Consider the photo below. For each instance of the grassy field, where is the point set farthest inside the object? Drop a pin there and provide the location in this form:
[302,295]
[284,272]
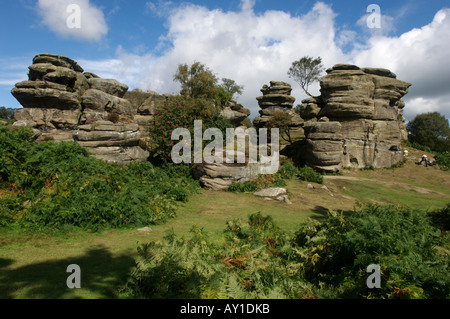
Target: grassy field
[34,265]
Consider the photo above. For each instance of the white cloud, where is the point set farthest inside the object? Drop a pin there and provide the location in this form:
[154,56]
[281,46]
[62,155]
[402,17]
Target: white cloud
[249,48]
[254,49]
[420,57]
[55,16]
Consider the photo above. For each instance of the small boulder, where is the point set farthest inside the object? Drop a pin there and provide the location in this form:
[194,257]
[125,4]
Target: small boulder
[271,192]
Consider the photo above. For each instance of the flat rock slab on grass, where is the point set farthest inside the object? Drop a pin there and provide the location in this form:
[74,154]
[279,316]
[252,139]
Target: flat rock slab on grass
[145,229]
[270,192]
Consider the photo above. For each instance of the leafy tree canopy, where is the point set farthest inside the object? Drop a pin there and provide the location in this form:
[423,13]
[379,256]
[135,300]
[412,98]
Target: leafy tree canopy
[430,129]
[197,81]
[232,87]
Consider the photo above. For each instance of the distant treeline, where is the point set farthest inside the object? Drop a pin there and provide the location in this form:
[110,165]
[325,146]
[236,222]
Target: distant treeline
[7,113]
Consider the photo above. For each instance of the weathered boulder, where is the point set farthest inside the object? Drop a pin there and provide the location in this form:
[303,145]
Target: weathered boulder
[98,104]
[360,122]
[235,113]
[271,192]
[57,60]
[41,97]
[109,86]
[220,176]
[113,142]
[61,100]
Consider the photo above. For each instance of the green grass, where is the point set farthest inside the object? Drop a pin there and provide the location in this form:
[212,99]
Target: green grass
[33,265]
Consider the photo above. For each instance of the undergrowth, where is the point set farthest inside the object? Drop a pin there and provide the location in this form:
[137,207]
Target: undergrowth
[323,259]
[286,172]
[59,185]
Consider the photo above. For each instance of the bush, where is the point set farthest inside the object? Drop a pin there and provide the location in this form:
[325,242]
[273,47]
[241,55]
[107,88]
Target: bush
[441,218]
[323,259]
[308,174]
[248,264]
[172,114]
[14,147]
[400,240]
[443,160]
[249,186]
[288,171]
[60,184]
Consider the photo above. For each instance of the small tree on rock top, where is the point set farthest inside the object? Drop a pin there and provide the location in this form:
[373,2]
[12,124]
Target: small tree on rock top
[306,71]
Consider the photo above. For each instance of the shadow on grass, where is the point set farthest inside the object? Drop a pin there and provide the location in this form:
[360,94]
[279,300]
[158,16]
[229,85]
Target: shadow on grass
[102,274]
[321,212]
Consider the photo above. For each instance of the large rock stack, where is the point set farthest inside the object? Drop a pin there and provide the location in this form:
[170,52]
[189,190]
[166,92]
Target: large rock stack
[360,121]
[277,98]
[63,103]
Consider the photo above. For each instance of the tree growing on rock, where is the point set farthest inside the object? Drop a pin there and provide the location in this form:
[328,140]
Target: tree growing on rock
[306,71]
[228,89]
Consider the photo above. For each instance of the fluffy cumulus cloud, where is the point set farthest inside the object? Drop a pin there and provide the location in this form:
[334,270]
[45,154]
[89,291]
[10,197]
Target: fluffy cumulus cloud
[73,18]
[250,48]
[255,48]
[420,57]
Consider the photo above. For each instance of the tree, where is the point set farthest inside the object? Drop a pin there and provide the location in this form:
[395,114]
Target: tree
[306,71]
[197,81]
[282,121]
[7,113]
[430,129]
[168,116]
[199,90]
[232,87]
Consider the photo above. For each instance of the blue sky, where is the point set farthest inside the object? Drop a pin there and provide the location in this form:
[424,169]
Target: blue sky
[140,43]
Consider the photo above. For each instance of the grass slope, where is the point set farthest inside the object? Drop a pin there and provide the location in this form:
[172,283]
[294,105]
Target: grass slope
[34,265]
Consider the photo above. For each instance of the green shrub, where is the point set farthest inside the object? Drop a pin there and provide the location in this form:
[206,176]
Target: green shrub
[60,185]
[14,147]
[443,160]
[417,146]
[288,171]
[249,186]
[172,114]
[249,263]
[323,259]
[308,174]
[400,240]
[441,218]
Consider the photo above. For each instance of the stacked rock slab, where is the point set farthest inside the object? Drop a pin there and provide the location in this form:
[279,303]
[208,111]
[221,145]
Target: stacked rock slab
[360,122]
[112,142]
[235,113]
[277,98]
[59,97]
[51,95]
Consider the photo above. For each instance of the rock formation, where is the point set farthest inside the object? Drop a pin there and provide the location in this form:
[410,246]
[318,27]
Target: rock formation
[357,121]
[235,113]
[65,103]
[277,98]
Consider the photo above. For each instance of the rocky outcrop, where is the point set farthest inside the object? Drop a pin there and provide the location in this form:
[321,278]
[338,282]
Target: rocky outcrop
[63,102]
[360,121]
[235,113]
[112,142]
[277,98]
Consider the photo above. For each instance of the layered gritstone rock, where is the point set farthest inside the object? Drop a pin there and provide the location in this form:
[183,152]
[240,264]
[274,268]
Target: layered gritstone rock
[360,122]
[59,98]
[277,98]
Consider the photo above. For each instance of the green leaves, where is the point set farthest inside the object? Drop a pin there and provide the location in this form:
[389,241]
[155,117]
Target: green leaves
[431,130]
[323,259]
[306,71]
[60,185]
